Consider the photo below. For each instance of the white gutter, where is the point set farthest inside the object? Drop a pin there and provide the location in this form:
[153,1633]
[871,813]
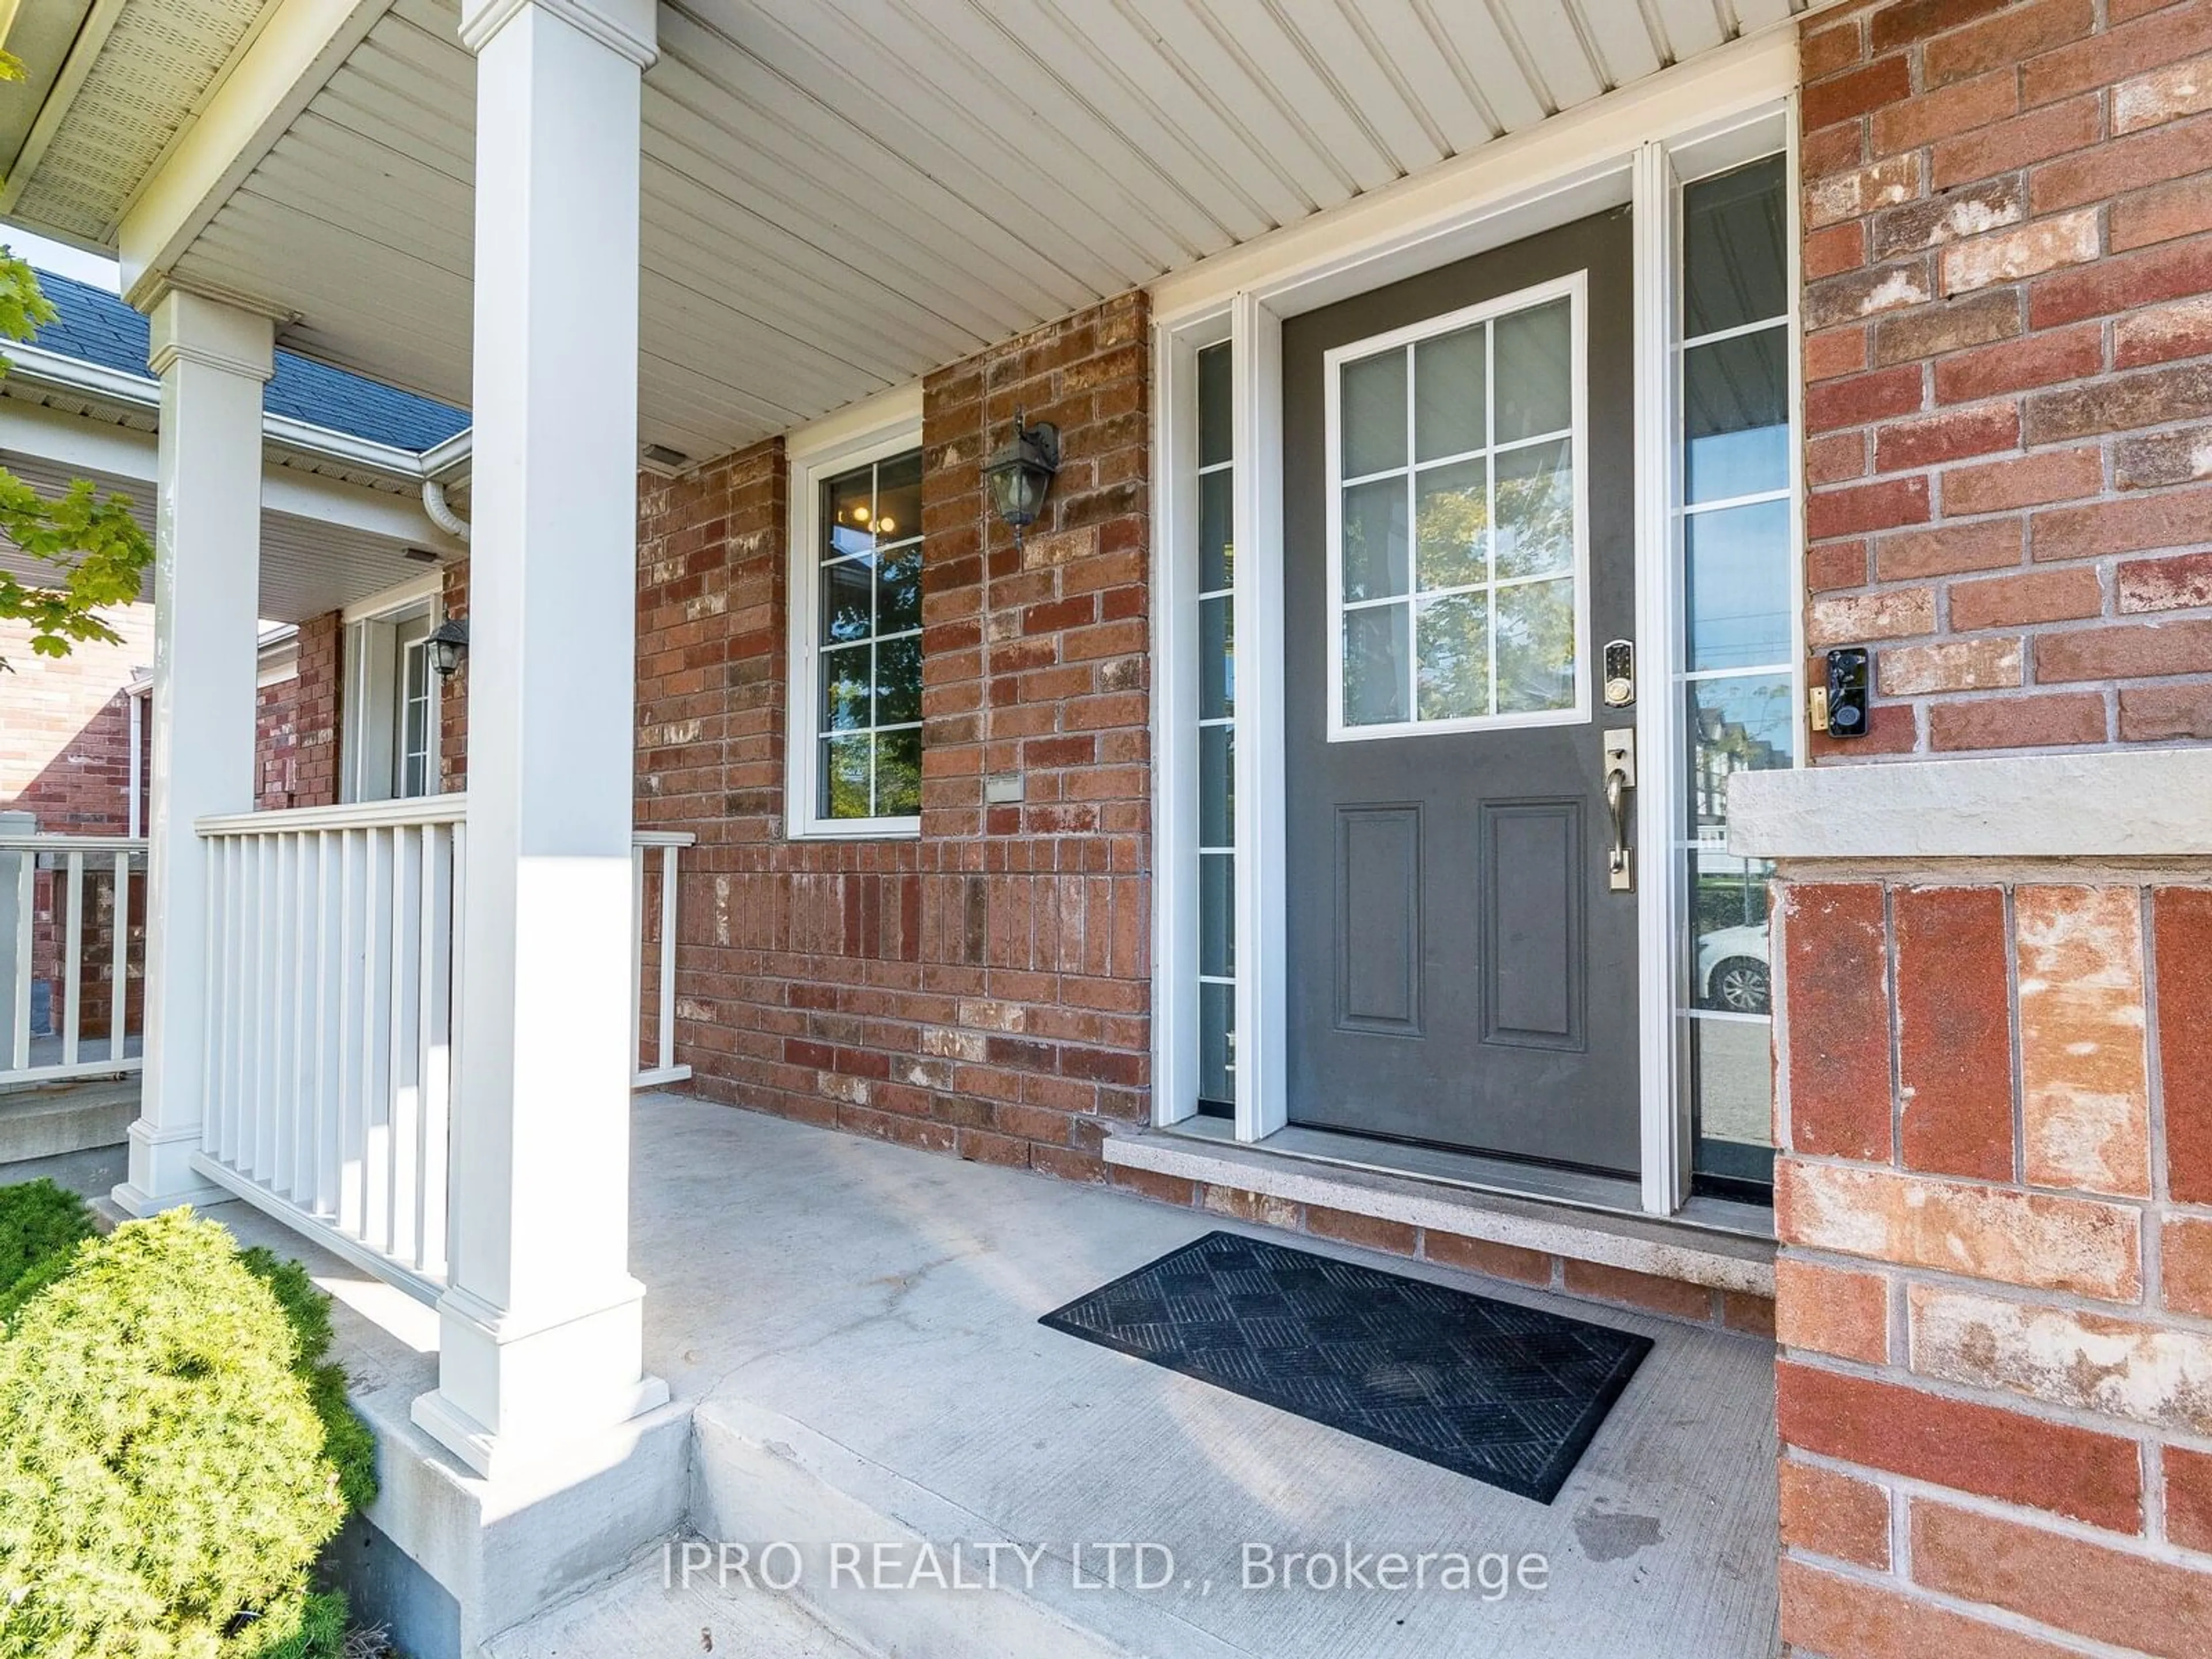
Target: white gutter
[433,503]
[40,366]
[448,462]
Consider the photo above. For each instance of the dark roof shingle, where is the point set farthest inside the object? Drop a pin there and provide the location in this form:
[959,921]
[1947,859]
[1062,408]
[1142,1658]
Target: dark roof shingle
[96,327]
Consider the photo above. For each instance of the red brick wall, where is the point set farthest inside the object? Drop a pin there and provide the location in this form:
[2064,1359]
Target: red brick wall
[453,695]
[981,989]
[65,732]
[1995,1295]
[297,724]
[2008,313]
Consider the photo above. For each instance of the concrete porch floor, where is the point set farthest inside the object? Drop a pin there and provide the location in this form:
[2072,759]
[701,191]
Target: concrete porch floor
[854,1324]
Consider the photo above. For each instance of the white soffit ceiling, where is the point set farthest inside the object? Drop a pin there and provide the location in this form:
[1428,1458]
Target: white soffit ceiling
[159,62]
[840,195]
[308,565]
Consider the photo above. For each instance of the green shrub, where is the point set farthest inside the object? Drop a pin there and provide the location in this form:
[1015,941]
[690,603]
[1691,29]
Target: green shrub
[174,1452]
[346,1439]
[40,1226]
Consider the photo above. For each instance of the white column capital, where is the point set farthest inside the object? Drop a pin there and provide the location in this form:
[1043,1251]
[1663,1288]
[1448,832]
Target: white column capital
[192,328]
[628,26]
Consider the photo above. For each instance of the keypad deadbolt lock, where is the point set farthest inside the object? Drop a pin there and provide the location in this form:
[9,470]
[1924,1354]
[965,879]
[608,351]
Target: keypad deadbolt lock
[1619,673]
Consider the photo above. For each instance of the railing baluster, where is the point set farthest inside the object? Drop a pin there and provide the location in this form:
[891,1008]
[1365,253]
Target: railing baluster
[238,1075]
[432,1051]
[253,1101]
[72,986]
[322,1180]
[353,934]
[637,954]
[220,1066]
[668,870]
[406,1071]
[456,958]
[376,1047]
[118,1007]
[299,1174]
[19,1047]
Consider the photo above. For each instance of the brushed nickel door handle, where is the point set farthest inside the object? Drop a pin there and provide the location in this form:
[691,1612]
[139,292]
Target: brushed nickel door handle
[1620,779]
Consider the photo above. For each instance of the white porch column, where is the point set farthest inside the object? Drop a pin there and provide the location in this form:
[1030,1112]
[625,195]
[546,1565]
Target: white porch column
[212,358]
[540,1338]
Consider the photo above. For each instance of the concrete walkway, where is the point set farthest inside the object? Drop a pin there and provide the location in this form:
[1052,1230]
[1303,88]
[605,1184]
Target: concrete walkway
[857,1323]
[855,1327]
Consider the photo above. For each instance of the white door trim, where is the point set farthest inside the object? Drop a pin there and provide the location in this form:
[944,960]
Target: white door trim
[1616,150]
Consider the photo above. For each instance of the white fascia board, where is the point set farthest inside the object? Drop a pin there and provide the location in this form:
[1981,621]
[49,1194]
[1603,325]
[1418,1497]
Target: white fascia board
[298,49]
[74,442]
[127,453]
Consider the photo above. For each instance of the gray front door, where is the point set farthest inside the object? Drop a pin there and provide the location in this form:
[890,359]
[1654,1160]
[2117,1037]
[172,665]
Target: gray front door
[1458,549]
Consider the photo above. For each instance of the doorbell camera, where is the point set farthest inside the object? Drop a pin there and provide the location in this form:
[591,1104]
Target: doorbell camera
[1847,691]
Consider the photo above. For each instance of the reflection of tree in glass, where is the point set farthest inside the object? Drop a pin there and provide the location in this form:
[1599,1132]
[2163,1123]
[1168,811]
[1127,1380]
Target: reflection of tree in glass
[848,779]
[1452,529]
[1743,726]
[898,774]
[1535,510]
[1535,646]
[1375,666]
[1453,657]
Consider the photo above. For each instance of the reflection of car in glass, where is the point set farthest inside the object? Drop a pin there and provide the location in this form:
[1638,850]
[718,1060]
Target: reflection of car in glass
[1732,969]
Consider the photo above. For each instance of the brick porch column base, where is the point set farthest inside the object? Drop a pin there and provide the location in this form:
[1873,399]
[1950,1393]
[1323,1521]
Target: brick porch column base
[1994,1296]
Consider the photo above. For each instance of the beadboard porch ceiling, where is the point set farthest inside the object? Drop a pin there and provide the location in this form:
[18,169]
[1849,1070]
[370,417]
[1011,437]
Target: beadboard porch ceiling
[840,195]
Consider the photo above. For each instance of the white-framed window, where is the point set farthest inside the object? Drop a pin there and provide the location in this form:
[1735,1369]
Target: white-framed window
[388,732]
[855,590]
[1458,556]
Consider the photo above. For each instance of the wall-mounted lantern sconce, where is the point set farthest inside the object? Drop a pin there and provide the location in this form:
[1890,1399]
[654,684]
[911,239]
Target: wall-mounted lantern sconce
[1020,474]
[449,643]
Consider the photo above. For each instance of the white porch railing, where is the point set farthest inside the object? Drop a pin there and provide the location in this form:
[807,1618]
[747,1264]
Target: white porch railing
[660,942]
[333,954]
[50,917]
[335,965]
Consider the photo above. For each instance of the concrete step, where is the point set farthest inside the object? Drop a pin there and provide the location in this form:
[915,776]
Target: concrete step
[66,1117]
[900,1569]
[650,1612]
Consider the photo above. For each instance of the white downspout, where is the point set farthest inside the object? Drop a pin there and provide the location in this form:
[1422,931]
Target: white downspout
[433,503]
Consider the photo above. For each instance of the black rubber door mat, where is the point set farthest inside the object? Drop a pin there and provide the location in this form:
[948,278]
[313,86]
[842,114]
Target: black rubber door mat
[1507,1395]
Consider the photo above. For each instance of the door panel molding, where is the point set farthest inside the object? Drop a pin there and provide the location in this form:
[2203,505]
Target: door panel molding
[1378,919]
[1535,991]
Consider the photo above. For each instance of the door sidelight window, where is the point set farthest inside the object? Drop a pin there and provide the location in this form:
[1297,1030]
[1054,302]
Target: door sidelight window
[1739,642]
